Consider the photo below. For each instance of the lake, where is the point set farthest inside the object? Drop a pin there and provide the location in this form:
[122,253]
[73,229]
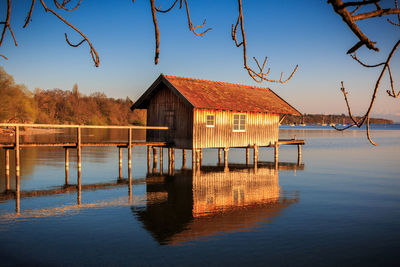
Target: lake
[340,206]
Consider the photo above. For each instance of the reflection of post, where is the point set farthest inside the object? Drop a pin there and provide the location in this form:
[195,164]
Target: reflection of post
[226,149]
[17,168]
[78,152]
[183,159]
[148,159]
[219,156]
[161,160]
[129,153]
[7,158]
[247,155]
[299,154]
[66,166]
[120,162]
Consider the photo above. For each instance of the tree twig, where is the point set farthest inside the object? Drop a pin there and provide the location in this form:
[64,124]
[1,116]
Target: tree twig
[258,76]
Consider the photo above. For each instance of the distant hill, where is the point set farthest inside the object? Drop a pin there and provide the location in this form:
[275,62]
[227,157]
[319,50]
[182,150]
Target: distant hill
[328,119]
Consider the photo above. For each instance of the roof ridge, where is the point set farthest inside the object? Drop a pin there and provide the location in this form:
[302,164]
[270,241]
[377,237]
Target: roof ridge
[203,80]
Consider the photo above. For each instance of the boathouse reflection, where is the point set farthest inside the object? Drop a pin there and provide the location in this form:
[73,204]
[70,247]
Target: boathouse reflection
[211,201]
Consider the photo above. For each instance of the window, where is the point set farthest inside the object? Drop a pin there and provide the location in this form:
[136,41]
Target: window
[239,122]
[210,121]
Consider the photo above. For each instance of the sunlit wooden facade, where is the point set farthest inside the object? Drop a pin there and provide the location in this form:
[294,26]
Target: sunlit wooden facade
[208,114]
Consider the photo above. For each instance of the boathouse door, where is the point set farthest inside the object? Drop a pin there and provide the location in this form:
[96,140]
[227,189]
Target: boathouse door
[170,123]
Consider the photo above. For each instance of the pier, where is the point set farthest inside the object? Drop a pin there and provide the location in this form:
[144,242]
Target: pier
[154,152]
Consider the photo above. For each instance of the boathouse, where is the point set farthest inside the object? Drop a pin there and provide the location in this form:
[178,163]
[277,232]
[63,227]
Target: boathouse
[209,114]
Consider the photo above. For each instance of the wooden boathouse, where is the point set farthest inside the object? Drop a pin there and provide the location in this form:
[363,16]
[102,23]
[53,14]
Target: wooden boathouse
[208,114]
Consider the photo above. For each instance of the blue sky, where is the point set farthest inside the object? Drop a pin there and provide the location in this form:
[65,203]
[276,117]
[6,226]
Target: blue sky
[307,33]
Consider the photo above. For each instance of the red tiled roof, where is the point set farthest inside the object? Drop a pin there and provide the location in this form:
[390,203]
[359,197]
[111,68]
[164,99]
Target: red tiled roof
[227,96]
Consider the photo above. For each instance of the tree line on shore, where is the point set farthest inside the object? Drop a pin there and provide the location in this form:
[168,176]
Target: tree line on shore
[328,119]
[57,106]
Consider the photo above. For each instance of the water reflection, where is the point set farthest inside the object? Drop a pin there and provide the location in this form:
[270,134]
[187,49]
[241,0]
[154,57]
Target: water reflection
[212,200]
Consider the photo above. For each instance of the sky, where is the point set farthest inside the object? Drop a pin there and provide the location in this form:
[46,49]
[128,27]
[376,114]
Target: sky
[289,33]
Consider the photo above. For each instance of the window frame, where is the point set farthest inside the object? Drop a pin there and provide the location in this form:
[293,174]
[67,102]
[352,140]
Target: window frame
[213,120]
[239,122]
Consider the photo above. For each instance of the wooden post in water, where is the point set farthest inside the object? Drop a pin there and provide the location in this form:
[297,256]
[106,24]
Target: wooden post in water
[219,156]
[129,154]
[183,159]
[298,154]
[247,155]
[169,161]
[193,159]
[226,149]
[17,169]
[255,155]
[173,161]
[66,166]
[79,159]
[120,162]
[7,170]
[161,160]
[201,156]
[276,152]
[155,159]
[148,159]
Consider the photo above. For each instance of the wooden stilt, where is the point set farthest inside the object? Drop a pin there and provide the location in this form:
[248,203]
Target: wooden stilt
[298,154]
[149,159]
[247,155]
[226,149]
[169,161]
[155,159]
[194,159]
[183,159]
[129,153]
[172,161]
[219,156]
[255,155]
[7,170]
[161,160]
[276,152]
[66,166]
[17,170]
[78,153]
[120,163]
[201,156]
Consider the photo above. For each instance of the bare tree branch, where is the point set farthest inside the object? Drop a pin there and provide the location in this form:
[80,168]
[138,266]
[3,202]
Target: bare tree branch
[63,5]
[192,28]
[365,118]
[28,17]
[6,24]
[93,52]
[156,31]
[348,19]
[258,76]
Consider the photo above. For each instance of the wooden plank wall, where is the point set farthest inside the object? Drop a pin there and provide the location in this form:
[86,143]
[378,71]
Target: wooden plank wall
[261,129]
[164,104]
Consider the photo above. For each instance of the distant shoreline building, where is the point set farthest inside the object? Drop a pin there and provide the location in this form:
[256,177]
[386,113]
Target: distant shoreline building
[209,114]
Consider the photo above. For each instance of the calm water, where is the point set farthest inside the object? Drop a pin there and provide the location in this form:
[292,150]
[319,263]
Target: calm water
[340,206]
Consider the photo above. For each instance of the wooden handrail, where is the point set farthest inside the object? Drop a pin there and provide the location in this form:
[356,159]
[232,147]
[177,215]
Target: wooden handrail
[33,125]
